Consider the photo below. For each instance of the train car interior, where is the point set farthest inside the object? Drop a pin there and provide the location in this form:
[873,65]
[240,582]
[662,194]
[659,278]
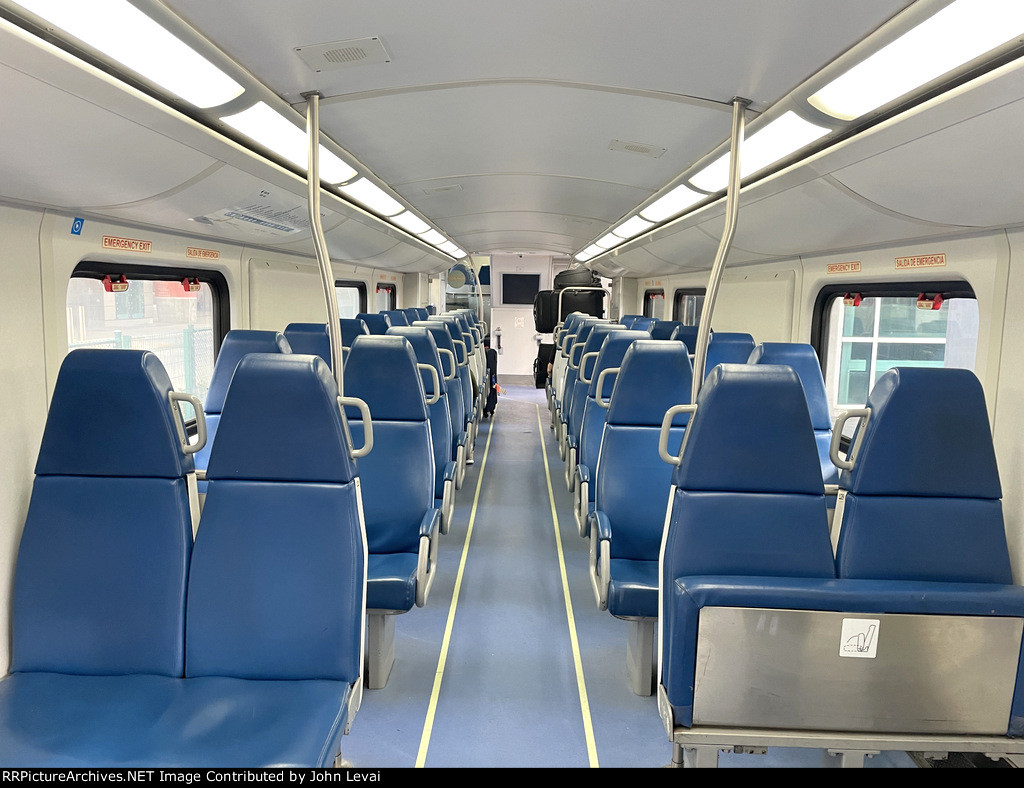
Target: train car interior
[543,384]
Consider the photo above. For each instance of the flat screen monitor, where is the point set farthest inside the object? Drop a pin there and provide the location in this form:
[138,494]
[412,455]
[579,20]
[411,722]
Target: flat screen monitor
[519,288]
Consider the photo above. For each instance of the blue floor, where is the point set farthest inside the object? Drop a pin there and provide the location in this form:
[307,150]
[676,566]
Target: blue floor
[494,680]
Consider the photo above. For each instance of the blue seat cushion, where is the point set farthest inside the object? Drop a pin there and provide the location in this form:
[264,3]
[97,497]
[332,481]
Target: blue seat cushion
[633,588]
[51,720]
[391,581]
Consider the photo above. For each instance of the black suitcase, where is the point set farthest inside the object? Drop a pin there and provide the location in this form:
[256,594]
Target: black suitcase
[590,302]
[576,277]
[544,307]
[545,355]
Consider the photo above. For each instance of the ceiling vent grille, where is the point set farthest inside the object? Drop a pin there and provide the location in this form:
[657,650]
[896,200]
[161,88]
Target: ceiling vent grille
[640,148]
[343,54]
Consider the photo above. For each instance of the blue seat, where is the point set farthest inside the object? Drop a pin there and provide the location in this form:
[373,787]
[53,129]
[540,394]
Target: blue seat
[421,312]
[397,317]
[727,347]
[311,339]
[632,489]
[237,344]
[732,513]
[614,347]
[397,480]
[275,599]
[576,342]
[921,570]
[628,320]
[563,337]
[576,400]
[352,327]
[465,376]
[436,387]
[804,361]
[377,323]
[665,329]
[688,336]
[100,578]
[643,324]
[446,349]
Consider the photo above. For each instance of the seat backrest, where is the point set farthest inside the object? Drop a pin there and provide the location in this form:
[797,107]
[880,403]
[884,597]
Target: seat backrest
[575,401]
[632,479]
[804,361]
[423,345]
[237,344]
[748,497]
[397,317]
[688,336]
[462,353]
[375,323]
[628,320]
[277,578]
[397,477]
[923,501]
[614,347]
[727,347]
[456,405]
[421,312]
[664,329]
[352,327]
[99,585]
[311,339]
[643,324]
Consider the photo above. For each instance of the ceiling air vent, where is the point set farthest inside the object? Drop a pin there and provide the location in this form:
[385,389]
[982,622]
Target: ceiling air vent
[640,148]
[343,54]
[455,187]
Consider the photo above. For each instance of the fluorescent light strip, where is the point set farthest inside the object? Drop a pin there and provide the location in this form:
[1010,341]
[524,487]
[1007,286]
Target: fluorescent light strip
[583,256]
[593,250]
[124,33]
[632,227]
[959,33]
[784,135]
[275,132]
[674,202]
[433,237]
[373,197]
[411,222]
[608,241]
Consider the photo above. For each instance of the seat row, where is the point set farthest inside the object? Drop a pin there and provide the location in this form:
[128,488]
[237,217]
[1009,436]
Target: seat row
[132,646]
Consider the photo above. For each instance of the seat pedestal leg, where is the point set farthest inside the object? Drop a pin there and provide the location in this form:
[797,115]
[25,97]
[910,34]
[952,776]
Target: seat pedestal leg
[380,649]
[640,655]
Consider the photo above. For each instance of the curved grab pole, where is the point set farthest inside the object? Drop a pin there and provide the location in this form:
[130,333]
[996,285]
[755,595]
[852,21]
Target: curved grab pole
[732,199]
[323,257]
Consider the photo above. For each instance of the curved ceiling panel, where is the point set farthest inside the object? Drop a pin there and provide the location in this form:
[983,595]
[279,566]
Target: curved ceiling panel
[940,186]
[104,160]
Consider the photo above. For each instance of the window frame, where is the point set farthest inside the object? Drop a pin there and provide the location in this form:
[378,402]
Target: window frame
[680,293]
[649,296]
[392,289]
[358,285]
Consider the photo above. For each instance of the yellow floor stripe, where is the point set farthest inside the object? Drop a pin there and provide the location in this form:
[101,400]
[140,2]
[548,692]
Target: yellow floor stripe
[588,725]
[428,724]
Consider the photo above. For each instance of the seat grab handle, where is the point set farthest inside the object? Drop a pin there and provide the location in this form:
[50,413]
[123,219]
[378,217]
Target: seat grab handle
[174,398]
[666,427]
[364,411]
[435,394]
[837,436]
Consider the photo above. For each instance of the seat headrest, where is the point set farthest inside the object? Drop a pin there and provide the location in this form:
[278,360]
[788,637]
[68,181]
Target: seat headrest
[281,422]
[311,339]
[614,347]
[352,327]
[728,347]
[594,342]
[643,324]
[375,323]
[751,434]
[655,375]
[629,320]
[425,348]
[382,371]
[688,336]
[455,332]
[928,435]
[421,312]
[110,415]
[663,329]
[804,361]
[237,343]
[397,317]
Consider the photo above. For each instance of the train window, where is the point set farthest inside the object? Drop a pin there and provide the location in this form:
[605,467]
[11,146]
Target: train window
[865,332]
[386,298]
[180,315]
[351,297]
[654,304]
[687,306]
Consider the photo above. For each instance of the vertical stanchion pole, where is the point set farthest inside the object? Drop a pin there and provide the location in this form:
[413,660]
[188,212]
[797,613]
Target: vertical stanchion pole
[732,199]
[323,257]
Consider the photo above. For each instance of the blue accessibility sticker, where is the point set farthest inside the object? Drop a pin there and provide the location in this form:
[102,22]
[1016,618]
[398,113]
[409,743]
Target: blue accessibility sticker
[76,226]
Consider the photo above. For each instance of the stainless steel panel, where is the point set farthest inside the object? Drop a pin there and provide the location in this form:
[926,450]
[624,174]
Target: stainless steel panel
[913,673]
